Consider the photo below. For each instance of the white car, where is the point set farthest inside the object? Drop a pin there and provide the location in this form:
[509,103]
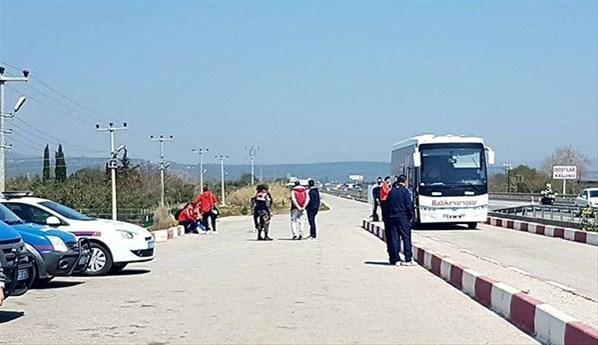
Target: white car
[114,243]
[587,198]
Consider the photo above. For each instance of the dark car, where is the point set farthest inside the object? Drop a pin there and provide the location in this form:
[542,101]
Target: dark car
[54,252]
[16,262]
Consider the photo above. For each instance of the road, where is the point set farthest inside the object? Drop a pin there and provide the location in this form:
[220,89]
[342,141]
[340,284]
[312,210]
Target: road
[229,288]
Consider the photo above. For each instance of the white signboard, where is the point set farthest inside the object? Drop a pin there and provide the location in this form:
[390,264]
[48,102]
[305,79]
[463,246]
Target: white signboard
[564,172]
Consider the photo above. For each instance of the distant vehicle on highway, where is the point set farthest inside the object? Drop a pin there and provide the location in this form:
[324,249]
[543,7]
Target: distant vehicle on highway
[114,244]
[448,176]
[587,198]
[53,252]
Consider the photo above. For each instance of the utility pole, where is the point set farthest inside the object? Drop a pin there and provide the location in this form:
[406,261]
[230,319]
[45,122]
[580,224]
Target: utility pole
[3,146]
[252,153]
[113,163]
[163,165]
[222,158]
[508,167]
[200,152]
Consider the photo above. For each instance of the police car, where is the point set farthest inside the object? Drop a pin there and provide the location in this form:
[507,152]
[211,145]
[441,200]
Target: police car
[114,244]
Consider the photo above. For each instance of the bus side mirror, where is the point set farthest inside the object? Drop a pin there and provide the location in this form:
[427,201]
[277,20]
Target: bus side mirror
[490,155]
[417,161]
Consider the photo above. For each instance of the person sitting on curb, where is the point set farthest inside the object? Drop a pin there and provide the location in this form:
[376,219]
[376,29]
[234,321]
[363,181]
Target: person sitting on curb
[187,218]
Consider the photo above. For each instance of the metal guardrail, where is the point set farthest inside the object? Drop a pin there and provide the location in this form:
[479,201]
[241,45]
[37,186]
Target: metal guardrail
[532,197]
[348,194]
[555,214]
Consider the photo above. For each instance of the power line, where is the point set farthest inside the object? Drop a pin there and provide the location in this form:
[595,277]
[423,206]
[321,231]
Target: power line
[56,140]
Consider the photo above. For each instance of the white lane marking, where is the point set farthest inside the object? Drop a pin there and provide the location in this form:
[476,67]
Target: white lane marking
[515,269]
[561,286]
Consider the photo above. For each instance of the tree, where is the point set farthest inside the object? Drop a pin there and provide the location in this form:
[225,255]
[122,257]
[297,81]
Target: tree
[60,168]
[567,155]
[46,169]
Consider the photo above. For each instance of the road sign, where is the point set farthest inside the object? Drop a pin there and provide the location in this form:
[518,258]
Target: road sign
[564,172]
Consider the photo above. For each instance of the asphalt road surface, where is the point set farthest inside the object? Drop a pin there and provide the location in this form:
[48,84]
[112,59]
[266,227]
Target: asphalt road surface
[229,288]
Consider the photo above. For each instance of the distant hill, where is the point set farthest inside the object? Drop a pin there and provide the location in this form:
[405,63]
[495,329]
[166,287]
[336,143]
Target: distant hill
[18,165]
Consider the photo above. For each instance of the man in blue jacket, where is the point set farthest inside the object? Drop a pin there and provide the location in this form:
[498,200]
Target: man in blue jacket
[313,206]
[400,214]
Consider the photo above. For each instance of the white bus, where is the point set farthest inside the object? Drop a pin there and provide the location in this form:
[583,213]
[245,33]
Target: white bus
[448,176]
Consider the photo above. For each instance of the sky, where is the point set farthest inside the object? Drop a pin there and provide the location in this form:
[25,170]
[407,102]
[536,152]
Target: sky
[307,81]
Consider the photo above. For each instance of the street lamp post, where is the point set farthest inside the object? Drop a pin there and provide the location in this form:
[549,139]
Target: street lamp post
[163,165]
[3,146]
[113,164]
[252,153]
[222,158]
[200,152]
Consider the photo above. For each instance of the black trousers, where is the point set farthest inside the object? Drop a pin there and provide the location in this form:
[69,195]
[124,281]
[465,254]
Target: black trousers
[391,231]
[209,216]
[311,219]
[189,225]
[405,236]
[375,211]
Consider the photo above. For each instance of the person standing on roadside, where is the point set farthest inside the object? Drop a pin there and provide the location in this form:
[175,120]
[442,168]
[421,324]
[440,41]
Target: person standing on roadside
[262,213]
[384,190]
[207,203]
[400,214]
[376,197]
[299,200]
[313,206]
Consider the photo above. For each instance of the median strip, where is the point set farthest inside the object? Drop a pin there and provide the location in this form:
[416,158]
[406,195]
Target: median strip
[168,234]
[569,234]
[541,320]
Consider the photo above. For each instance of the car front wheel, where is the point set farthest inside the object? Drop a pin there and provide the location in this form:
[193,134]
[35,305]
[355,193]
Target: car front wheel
[100,262]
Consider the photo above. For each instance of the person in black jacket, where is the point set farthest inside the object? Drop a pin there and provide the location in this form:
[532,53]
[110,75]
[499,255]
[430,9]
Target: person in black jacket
[376,197]
[400,214]
[313,206]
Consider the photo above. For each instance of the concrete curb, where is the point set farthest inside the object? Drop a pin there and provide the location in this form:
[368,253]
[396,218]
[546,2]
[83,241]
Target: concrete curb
[541,320]
[569,234]
[168,234]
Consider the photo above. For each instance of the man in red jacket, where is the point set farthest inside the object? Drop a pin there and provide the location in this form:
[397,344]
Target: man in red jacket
[207,202]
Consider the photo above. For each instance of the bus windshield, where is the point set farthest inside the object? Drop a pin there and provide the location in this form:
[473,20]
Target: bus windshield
[453,164]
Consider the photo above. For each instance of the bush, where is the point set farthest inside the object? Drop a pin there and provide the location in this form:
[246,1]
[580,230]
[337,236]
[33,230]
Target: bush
[163,219]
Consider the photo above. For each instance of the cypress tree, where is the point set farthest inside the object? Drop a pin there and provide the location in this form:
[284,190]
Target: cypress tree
[60,168]
[46,169]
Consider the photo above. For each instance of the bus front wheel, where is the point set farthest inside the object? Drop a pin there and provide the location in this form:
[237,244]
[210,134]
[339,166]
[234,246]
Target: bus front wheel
[472,226]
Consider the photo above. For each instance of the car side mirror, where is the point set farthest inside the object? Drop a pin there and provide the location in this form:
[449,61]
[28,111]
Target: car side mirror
[53,221]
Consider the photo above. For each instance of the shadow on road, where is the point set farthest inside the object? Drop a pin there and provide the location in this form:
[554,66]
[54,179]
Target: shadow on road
[58,285]
[377,263]
[7,316]
[132,272]
[440,227]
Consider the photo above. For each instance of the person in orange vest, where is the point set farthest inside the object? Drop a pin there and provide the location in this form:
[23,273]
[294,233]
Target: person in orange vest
[207,204]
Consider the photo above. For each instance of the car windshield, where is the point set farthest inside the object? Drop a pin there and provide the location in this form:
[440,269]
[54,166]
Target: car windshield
[594,194]
[453,165]
[64,211]
[8,216]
